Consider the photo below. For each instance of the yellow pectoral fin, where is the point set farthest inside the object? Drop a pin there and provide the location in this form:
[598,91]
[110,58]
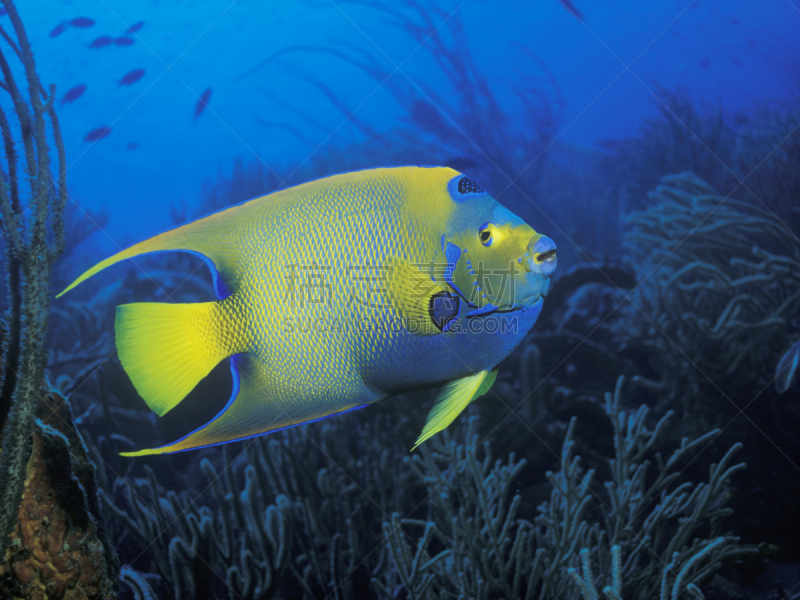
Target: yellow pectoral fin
[453,399]
[252,410]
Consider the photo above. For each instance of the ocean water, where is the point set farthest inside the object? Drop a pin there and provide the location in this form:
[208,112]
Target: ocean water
[657,144]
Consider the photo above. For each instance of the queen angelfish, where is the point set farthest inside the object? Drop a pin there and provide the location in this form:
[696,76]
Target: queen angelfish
[335,294]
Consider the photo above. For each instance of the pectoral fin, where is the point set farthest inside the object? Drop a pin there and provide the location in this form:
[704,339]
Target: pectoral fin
[453,399]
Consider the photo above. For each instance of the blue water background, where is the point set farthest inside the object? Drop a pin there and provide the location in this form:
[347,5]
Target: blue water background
[608,66]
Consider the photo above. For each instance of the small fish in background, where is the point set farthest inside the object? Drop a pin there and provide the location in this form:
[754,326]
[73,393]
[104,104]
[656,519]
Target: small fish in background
[101,42]
[202,102]
[135,27]
[571,8]
[3,12]
[124,40]
[705,63]
[58,30]
[787,368]
[733,21]
[97,134]
[81,22]
[131,77]
[736,61]
[131,145]
[73,94]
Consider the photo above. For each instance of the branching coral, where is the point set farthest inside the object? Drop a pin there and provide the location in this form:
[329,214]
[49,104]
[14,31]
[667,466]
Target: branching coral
[300,513]
[51,538]
[721,277]
[474,545]
[32,244]
[296,513]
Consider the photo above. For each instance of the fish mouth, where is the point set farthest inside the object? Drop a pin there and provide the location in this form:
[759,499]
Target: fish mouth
[541,258]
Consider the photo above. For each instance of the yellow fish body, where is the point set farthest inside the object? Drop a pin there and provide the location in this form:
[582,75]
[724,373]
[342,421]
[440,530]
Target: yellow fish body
[337,293]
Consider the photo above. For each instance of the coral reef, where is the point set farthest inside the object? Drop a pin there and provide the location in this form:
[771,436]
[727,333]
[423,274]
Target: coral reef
[721,277]
[485,550]
[299,510]
[308,513]
[58,547]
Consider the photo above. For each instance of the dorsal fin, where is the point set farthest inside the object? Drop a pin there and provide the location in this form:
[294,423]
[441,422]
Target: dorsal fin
[213,238]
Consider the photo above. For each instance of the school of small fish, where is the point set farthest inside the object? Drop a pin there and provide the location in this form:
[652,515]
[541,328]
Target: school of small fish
[131,77]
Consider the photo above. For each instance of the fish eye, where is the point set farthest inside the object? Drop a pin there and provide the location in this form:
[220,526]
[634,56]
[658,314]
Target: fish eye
[485,235]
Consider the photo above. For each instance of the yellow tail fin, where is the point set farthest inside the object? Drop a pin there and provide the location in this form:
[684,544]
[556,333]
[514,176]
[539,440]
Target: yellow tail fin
[166,349]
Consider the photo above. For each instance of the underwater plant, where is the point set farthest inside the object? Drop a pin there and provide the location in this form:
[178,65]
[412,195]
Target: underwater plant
[456,117]
[721,277]
[683,136]
[293,514]
[51,535]
[475,546]
[301,514]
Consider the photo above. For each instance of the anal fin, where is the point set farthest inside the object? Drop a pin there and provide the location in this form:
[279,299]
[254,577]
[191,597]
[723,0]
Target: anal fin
[253,409]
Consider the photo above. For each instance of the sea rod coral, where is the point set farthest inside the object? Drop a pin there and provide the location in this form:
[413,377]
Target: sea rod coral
[50,529]
[284,519]
[722,276]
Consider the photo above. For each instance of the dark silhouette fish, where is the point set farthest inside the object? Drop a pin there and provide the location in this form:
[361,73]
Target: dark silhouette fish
[124,41]
[101,42]
[97,134]
[705,63]
[571,8]
[202,102]
[736,61]
[135,27]
[73,94]
[82,22]
[3,12]
[131,77]
[734,21]
[131,145]
[58,30]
